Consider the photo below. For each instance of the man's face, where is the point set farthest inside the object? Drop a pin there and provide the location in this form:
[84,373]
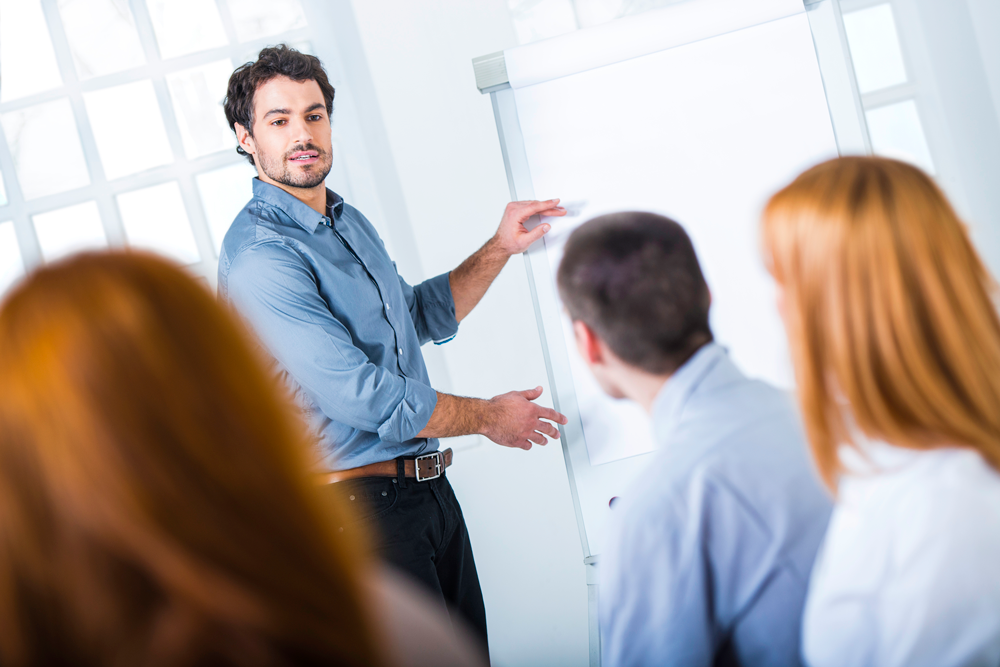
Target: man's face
[291,133]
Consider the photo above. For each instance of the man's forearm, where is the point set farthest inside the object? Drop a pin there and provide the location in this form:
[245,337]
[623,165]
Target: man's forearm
[474,276]
[456,415]
[510,419]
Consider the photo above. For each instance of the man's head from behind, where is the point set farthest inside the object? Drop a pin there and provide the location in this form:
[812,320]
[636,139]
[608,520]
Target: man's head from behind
[637,297]
[279,106]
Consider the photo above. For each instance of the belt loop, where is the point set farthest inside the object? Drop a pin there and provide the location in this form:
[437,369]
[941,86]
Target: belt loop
[401,472]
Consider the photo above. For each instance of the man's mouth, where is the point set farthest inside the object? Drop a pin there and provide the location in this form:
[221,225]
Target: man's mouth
[304,157]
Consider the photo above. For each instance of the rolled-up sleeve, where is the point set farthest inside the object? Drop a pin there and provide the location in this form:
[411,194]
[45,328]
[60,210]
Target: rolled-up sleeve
[432,308]
[273,288]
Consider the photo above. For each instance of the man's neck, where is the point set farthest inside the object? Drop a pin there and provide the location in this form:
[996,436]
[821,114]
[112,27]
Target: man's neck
[645,387]
[642,387]
[314,198]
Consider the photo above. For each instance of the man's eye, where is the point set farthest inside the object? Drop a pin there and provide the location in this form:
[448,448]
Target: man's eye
[315,116]
[280,121]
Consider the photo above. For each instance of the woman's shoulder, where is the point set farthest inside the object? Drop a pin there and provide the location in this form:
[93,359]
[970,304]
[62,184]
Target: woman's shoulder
[923,496]
[415,629]
[908,471]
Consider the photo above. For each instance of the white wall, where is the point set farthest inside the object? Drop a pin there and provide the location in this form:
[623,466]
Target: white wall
[445,153]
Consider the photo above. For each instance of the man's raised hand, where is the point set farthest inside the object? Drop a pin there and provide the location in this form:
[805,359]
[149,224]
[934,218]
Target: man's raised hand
[512,236]
[515,421]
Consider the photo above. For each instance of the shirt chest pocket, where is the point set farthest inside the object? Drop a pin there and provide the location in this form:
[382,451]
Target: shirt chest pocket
[352,296]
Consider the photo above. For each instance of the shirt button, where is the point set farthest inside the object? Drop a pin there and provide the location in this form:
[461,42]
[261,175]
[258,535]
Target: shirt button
[401,350]
[387,307]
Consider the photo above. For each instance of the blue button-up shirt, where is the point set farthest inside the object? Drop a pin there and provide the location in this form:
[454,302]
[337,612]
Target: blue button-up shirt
[709,555]
[325,299]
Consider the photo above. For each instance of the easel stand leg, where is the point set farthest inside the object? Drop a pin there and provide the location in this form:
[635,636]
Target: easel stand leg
[592,616]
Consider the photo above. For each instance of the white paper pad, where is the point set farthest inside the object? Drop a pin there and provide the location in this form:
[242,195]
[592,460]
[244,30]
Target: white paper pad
[703,132]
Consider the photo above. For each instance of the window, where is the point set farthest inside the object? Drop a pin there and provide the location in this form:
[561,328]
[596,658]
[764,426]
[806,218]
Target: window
[111,124]
[888,93]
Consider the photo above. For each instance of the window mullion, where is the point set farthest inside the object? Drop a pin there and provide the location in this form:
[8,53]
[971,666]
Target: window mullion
[99,188]
[227,22]
[885,96]
[27,240]
[182,168]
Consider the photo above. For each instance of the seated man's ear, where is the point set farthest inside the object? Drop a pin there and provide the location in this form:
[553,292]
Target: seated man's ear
[245,140]
[588,343]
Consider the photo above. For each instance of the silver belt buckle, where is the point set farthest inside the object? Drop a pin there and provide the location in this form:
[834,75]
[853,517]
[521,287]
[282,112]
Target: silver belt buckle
[438,466]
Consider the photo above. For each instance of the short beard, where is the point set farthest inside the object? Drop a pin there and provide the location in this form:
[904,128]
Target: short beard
[277,168]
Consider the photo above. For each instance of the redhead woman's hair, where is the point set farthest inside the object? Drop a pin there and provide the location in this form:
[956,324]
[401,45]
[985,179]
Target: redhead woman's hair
[888,308]
[156,506]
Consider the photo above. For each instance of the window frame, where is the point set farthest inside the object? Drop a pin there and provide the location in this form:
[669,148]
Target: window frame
[910,90]
[182,169]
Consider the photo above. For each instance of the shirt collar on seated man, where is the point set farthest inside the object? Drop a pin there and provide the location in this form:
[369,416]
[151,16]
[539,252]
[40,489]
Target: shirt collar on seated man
[302,214]
[670,401]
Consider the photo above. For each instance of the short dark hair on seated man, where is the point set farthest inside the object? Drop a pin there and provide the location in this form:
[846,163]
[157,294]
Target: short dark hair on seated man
[634,279]
[271,62]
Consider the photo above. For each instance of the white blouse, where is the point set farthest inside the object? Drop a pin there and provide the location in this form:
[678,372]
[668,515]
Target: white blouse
[909,572]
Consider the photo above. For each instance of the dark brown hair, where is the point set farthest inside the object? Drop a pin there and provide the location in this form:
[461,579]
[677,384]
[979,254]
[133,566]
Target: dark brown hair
[635,280]
[156,506]
[271,62]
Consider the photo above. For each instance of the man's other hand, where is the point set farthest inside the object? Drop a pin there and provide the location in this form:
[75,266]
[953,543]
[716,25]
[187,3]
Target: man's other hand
[514,421]
[512,236]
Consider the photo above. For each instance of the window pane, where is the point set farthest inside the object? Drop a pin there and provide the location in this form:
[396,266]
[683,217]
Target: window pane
[68,230]
[27,61]
[878,59]
[101,36]
[11,265]
[128,128]
[155,219]
[224,193]
[45,145]
[186,26]
[262,18]
[896,132]
[197,94]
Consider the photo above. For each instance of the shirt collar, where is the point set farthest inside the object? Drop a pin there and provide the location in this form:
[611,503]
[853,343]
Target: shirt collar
[671,398]
[302,215]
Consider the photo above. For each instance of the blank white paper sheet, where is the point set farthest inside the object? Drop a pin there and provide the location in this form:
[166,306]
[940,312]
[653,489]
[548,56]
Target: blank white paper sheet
[701,126]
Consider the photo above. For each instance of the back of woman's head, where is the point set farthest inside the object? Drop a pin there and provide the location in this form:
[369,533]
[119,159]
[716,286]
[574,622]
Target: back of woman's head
[888,307]
[155,500]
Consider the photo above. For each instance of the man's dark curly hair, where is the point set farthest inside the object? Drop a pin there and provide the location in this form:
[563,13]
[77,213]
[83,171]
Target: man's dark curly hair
[271,62]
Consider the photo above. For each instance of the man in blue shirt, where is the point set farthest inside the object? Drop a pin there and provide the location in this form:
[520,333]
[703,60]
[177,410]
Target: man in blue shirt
[313,278]
[709,555]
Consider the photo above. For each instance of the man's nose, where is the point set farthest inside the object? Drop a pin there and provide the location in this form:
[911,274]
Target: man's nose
[302,133]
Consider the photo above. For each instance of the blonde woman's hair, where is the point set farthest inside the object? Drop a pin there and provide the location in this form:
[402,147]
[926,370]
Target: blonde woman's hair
[888,307]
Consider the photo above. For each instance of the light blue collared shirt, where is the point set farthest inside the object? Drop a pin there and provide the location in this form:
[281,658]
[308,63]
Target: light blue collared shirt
[709,556]
[326,301]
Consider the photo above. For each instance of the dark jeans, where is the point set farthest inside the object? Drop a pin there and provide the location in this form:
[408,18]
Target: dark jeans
[419,529]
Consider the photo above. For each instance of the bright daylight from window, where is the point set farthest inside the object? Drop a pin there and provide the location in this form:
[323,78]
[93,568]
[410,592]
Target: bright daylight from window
[102,71]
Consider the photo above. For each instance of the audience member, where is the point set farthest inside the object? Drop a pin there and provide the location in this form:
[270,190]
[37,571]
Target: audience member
[156,507]
[709,558]
[895,336]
